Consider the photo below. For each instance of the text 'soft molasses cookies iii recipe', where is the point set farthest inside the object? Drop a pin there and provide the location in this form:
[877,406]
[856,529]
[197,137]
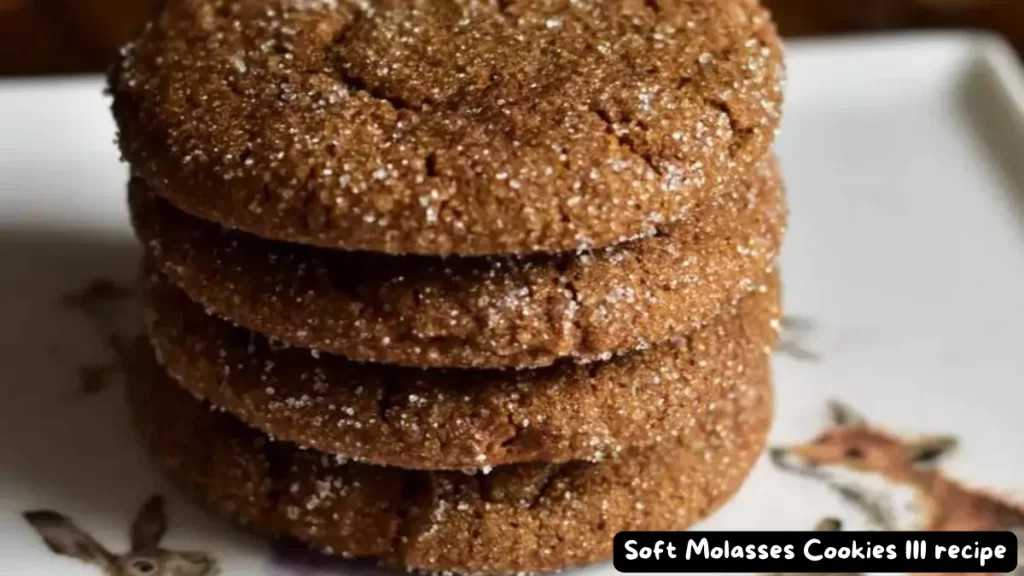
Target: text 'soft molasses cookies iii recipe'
[456,285]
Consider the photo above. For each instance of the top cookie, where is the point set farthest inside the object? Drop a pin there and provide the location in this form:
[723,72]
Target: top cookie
[448,126]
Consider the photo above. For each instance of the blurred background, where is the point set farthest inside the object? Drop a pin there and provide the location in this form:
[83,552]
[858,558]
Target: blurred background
[69,36]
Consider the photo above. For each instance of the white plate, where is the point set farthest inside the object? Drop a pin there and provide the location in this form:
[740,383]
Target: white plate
[906,249]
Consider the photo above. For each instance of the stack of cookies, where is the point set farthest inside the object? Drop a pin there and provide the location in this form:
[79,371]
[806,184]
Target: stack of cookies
[462,285]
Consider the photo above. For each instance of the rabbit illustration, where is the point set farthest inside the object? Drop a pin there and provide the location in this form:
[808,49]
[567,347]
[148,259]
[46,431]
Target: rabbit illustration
[145,558]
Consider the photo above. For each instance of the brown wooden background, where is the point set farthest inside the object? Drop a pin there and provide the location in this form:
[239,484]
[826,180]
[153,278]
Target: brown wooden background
[61,36]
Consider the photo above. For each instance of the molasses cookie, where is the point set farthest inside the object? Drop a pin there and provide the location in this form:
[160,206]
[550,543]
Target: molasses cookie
[475,312]
[448,126]
[458,419]
[518,518]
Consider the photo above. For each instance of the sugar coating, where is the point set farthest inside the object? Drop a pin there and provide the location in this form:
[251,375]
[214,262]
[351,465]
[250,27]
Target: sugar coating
[460,419]
[519,518]
[448,126]
[476,312]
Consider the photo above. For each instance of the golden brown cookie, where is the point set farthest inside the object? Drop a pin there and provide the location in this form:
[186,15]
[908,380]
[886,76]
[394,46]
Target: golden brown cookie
[475,312]
[525,517]
[448,126]
[458,419]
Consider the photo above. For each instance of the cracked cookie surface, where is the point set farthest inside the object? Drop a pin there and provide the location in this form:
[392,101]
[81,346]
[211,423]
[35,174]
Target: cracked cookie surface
[518,518]
[448,126]
[459,419]
[475,312]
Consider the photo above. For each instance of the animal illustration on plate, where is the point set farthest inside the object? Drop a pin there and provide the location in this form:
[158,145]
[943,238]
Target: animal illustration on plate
[896,481]
[145,556]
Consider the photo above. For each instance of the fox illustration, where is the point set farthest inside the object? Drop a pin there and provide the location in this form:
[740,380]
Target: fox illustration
[896,481]
[144,558]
